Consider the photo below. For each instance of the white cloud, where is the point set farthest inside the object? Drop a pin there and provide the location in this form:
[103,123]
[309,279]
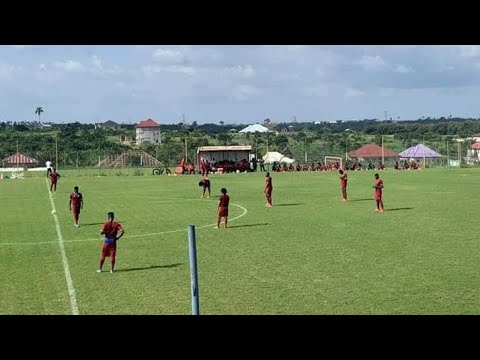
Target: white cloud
[245,71]
[318,90]
[168,56]
[243,92]
[19,47]
[402,69]
[42,67]
[188,70]
[97,62]
[372,62]
[470,51]
[350,92]
[69,65]
[6,70]
[386,92]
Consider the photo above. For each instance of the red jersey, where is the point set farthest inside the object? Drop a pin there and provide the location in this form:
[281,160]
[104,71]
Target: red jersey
[268,183]
[54,176]
[76,200]
[343,180]
[110,230]
[224,200]
[378,182]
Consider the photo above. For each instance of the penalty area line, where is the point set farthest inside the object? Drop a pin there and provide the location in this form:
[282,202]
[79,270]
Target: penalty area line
[244,212]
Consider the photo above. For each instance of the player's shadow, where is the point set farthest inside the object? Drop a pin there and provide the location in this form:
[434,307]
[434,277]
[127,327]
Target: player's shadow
[396,209]
[247,225]
[91,224]
[293,204]
[151,267]
[360,200]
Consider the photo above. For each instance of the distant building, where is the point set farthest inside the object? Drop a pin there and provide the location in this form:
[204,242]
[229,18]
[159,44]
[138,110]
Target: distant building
[108,125]
[148,132]
[19,159]
[476,137]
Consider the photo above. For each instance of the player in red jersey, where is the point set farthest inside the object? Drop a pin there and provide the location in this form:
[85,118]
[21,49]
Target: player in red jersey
[54,176]
[343,184]
[268,189]
[76,203]
[205,183]
[112,231]
[223,203]
[378,193]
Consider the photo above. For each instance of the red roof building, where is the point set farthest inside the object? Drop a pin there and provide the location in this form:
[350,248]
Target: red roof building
[148,132]
[20,160]
[149,123]
[371,151]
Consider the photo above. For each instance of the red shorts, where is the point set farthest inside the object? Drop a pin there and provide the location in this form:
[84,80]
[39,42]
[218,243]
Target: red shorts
[378,196]
[76,210]
[223,211]
[269,191]
[109,250]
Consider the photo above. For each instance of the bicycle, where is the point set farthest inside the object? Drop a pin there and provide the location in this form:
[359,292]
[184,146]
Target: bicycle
[161,170]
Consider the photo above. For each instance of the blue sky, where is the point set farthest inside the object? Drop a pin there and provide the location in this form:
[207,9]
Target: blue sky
[237,83]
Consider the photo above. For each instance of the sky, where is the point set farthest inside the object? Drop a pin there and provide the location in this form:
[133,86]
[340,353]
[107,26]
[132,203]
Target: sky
[239,84]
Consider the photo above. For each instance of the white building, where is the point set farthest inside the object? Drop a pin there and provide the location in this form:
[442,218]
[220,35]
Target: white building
[148,132]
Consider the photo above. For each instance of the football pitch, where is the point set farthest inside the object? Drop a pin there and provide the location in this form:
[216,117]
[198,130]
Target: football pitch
[309,254]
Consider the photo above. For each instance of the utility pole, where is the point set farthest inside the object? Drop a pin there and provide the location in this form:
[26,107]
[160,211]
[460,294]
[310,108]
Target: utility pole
[186,150]
[383,155]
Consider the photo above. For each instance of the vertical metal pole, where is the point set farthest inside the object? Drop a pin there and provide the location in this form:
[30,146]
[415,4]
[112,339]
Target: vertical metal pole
[192,251]
[459,157]
[448,156]
[56,152]
[383,155]
[424,154]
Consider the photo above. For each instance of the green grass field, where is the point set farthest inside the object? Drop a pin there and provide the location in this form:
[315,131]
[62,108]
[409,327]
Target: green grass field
[309,254]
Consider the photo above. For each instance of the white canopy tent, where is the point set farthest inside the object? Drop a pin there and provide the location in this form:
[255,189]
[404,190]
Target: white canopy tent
[275,156]
[255,128]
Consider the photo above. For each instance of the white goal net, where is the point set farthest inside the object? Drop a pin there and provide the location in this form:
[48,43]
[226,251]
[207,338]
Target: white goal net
[333,162]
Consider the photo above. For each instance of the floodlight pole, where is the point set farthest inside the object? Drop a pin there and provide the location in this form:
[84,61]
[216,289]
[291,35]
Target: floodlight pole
[192,251]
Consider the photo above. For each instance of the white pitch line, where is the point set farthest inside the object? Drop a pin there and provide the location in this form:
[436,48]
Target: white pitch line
[131,236]
[66,268]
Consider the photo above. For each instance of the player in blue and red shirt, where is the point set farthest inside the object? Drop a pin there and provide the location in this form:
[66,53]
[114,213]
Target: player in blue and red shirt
[224,201]
[113,231]
[76,203]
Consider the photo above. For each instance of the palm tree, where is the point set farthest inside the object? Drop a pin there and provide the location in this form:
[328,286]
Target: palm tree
[221,123]
[39,112]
